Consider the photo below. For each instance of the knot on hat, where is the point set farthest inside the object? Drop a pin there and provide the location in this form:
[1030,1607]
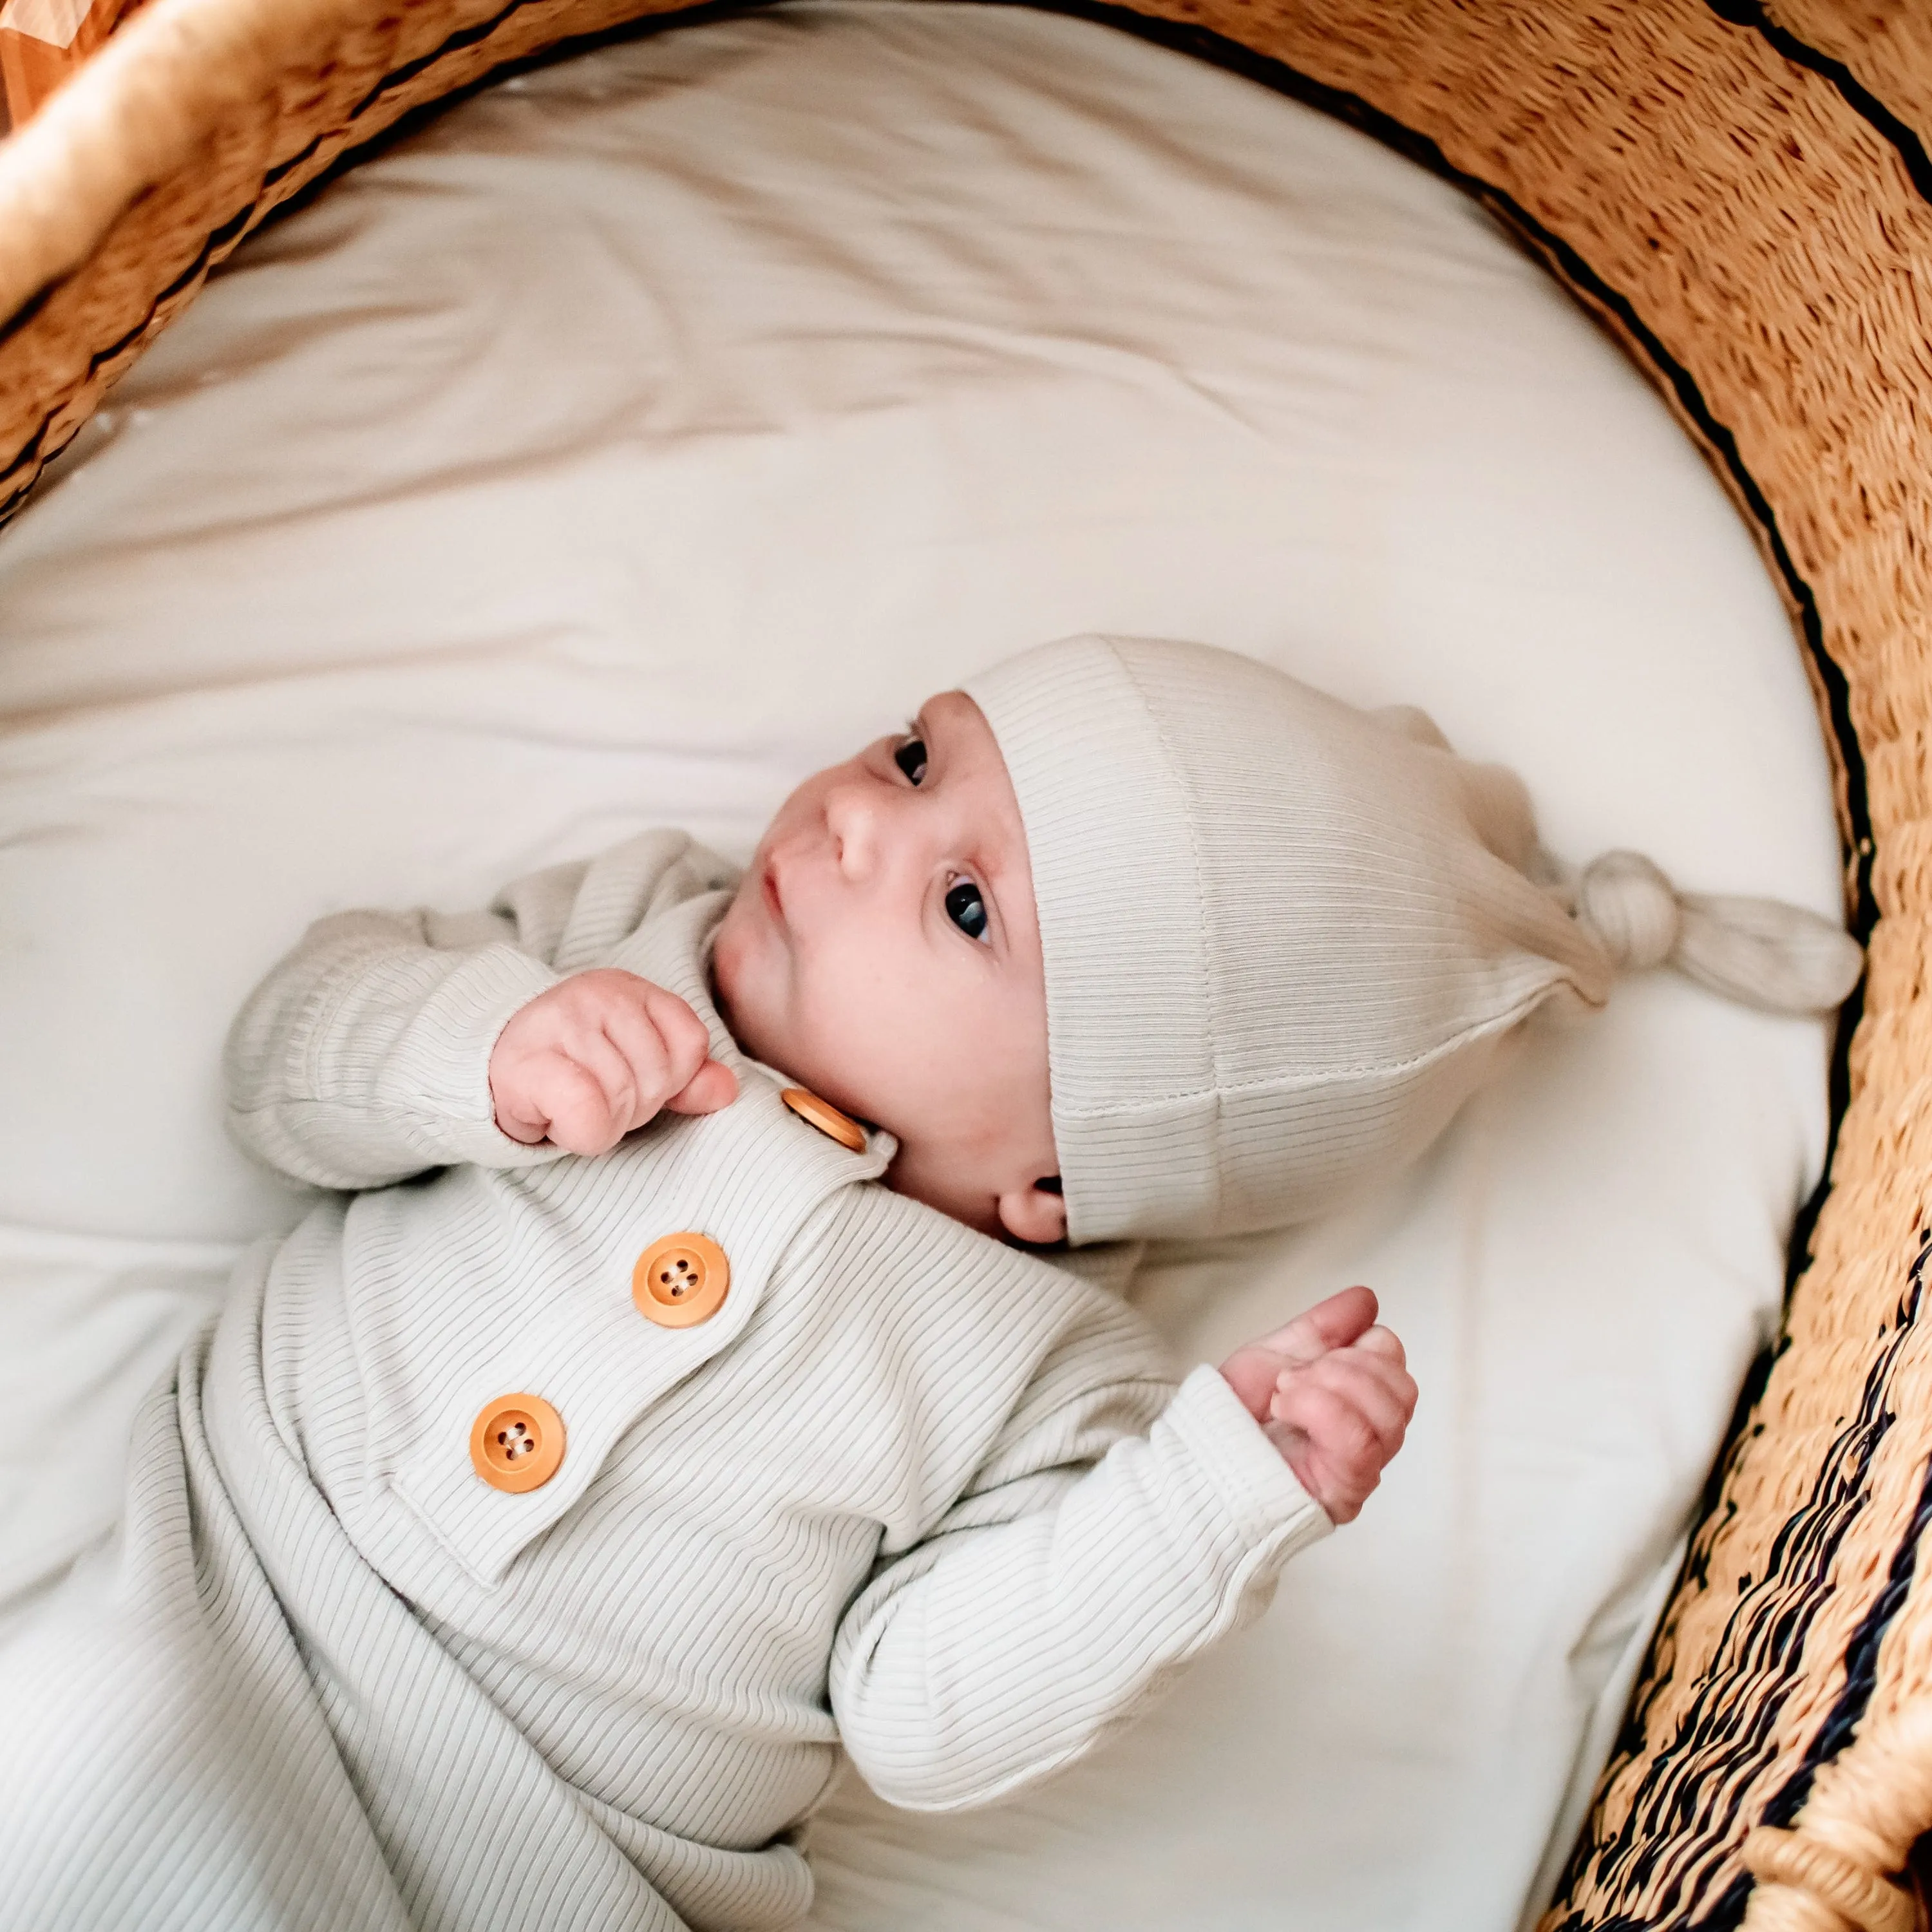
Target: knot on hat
[1626,905]
[1761,951]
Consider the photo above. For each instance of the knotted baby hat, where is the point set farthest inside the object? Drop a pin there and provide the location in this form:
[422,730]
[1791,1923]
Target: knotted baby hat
[1285,938]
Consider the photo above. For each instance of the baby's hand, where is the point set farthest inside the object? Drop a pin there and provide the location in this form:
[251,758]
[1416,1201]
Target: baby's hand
[1334,1394]
[599,1054]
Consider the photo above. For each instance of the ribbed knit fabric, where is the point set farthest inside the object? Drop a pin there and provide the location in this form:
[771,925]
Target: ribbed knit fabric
[1284,938]
[908,1489]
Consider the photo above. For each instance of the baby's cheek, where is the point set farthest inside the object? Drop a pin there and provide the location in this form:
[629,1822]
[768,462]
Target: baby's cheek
[833,1030]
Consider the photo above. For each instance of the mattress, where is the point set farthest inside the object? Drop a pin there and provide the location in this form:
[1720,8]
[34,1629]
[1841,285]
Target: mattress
[651,428]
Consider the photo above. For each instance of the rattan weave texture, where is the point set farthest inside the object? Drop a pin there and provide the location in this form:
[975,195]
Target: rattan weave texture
[1742,191]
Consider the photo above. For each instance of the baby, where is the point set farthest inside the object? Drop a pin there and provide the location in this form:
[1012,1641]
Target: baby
[884,948]
[547,1509]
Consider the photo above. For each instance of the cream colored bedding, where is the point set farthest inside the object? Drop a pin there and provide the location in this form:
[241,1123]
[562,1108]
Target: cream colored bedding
[650,429]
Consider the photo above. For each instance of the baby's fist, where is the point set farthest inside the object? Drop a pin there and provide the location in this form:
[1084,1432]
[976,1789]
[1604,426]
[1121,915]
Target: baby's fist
[1335,1396]
[598,1055]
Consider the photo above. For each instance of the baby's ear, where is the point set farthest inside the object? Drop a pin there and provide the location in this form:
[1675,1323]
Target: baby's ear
[1035,1215]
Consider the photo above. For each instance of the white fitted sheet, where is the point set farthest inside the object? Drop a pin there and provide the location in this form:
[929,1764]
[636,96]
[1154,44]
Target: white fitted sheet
[652,429]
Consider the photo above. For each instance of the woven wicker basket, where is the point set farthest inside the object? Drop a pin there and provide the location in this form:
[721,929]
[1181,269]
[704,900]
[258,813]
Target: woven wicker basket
[1741,191]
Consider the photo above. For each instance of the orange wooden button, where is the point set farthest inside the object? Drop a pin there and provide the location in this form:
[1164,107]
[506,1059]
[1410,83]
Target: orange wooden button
[826,1117]
[681,1280]
[517,1443]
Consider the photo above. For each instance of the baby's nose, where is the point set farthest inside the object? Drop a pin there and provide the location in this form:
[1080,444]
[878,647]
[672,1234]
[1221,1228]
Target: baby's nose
[853,820]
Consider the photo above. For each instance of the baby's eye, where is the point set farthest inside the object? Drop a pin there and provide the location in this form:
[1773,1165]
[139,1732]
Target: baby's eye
[966,909]
[911,759]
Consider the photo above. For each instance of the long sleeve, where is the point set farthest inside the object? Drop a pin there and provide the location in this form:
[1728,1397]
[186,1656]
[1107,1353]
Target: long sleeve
[363,1057]
[1056,1597]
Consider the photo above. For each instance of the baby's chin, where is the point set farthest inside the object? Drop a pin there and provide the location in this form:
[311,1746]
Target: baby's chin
[751,981]
[734,976]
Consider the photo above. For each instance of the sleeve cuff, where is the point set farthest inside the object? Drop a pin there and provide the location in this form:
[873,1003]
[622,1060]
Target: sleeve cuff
[445,1072]
[1264,1500]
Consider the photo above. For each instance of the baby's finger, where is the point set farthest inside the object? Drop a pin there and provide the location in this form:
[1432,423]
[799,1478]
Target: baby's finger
[687,1041]
[1381,1341]
[1342,1492]
[1382,1394]
[573,1101]
[1340,1482]
[516,1116]
[626,1029]
[607,1063]
[714,1086]
[1349,1368]
[1332,1323]
[1336,1429]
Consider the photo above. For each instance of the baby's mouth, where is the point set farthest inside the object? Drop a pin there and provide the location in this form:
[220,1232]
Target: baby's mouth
[773,903]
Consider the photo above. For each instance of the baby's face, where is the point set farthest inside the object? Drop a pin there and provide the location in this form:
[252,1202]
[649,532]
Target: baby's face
[883,950]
